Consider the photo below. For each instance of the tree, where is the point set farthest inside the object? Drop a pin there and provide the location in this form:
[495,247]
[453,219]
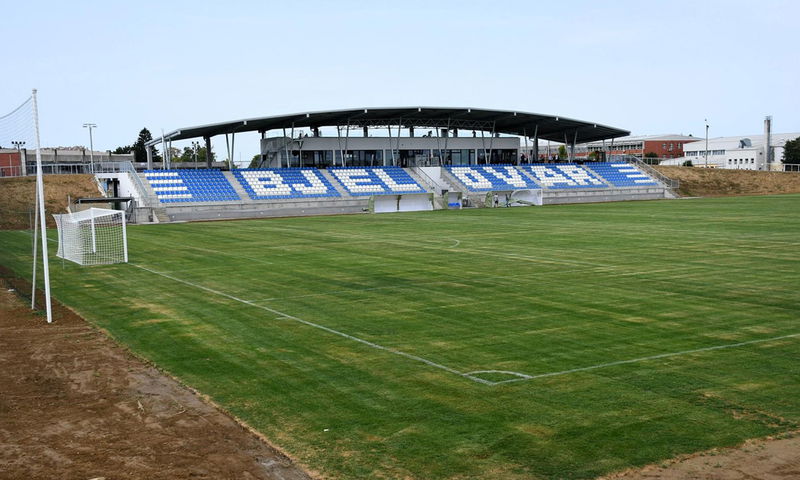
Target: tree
[562,152]
[187,155]
[123,150]
[595,155]
[139,148]
[255,162]
[791,151]
[688,163]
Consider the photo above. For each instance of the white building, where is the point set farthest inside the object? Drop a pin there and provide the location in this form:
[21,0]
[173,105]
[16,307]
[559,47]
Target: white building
[737,153]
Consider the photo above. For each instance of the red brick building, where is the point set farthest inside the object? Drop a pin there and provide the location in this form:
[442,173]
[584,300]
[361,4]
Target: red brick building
[663,146]
[10,163]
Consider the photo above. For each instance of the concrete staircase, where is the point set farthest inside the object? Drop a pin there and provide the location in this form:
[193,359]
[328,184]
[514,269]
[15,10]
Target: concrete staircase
[237,187]
[338,186]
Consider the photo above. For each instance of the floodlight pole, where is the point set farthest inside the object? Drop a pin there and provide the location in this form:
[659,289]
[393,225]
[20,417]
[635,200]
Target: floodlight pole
[90,126]
[42,220]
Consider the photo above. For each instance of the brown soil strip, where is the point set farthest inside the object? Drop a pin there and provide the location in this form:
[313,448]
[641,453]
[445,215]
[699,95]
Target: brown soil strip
[17,197]
[764,459]
[75,405]
[712,182]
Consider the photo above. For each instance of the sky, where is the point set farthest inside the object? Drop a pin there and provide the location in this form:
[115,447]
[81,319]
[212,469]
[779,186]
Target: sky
[651,67]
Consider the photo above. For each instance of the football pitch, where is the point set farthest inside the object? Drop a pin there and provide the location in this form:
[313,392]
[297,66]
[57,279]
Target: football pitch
[554,342]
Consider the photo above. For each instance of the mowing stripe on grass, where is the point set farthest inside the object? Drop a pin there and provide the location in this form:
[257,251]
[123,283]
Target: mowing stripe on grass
[473,374]
[321,327]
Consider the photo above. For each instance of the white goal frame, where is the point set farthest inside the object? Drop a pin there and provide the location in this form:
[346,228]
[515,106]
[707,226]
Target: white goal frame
[97,236]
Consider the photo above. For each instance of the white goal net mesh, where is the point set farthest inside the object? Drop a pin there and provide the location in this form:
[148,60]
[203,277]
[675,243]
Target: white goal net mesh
[96,236]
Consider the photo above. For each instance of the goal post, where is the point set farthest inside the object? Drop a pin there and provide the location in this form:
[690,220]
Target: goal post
[97,236]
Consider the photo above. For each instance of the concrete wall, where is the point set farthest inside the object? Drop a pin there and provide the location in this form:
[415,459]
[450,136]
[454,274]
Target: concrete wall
[402,203]
[126,187]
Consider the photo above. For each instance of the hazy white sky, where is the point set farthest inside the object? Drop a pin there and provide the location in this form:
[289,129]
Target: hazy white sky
[647,66]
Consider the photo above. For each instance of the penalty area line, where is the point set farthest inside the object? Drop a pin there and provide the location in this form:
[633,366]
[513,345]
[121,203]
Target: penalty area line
[320,327]
[524,377]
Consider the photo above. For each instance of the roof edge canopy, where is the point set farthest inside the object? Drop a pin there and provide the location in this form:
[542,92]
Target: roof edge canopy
[546,127]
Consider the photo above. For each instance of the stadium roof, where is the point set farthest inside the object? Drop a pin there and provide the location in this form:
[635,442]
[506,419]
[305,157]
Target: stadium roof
[548,127]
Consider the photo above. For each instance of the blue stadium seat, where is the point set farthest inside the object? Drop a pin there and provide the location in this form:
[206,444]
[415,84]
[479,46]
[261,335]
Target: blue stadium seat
[364,181]
[563,176]
[202,185]
[281,183]
[621,174]
[484,178]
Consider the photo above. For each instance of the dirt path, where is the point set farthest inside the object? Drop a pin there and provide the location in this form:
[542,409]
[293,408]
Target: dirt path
[74,405]
[756,460]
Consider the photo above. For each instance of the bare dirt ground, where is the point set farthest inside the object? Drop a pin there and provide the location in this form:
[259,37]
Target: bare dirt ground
[712,182]
[17,196]
[772,459]
[75,405]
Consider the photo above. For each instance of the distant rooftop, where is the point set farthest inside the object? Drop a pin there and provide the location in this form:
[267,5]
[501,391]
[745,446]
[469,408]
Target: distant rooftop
[669,137]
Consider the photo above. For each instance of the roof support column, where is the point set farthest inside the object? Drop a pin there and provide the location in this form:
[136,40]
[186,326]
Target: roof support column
[524,134]
[439,147]
[208,151]
[233,150]
[346,142]
[149,151]
[285,149]
[485,154]
[292,137]
[536,144]
[339,141]
[447,152]
[491,143]
[572,147]
[263,155]
[391,147]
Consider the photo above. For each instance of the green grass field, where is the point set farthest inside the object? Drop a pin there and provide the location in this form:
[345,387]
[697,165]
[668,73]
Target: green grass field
[633,332]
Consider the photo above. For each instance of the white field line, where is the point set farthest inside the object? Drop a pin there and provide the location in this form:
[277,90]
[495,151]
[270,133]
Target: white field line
[636,360]
[321,327]
[469,375]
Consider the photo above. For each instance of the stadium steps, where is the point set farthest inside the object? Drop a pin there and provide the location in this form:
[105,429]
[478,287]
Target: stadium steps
[421,180]
[333,181]
[231,178]
[453,182]
[160,215]
[150,199]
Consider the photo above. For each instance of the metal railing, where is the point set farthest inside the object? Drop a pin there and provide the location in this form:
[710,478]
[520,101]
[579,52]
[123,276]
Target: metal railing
[124,167]
[669,182]
[791,167]
[434,186]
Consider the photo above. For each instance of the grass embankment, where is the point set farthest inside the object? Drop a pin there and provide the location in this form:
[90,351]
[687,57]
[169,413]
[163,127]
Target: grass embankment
[528,290]
[17,197]
[712,182]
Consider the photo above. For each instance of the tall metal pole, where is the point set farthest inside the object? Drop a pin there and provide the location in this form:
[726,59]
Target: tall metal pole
[90,126]
[42,220]
[706,158]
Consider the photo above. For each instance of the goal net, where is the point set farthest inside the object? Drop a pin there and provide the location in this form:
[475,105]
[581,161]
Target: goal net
[95,236]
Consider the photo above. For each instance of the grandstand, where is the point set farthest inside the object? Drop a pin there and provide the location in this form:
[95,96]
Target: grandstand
[310,172]
[205,194]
